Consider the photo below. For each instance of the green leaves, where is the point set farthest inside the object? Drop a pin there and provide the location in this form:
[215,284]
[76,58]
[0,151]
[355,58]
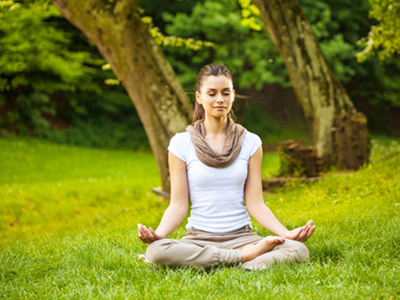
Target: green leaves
[250,14]
[29,111]
[384,38]
[174,41]
[36,53]
[249,54]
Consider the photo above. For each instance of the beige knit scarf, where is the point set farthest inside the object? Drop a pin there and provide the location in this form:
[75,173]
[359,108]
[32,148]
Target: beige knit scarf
[230,151]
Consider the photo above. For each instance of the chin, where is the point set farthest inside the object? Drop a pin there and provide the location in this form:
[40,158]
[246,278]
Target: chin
[220,116]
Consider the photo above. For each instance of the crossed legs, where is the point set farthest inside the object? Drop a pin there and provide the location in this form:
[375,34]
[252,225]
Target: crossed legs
[206,249]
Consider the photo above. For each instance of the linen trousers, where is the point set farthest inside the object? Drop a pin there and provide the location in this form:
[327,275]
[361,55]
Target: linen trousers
[202,249]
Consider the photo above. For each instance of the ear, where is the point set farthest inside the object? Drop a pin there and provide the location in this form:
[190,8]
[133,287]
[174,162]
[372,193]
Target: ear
[198,98]
[233,94]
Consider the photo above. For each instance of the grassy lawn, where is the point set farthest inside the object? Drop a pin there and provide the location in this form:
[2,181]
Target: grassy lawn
[68,220]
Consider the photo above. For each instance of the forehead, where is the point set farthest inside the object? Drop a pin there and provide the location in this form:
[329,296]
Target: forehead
[216,82]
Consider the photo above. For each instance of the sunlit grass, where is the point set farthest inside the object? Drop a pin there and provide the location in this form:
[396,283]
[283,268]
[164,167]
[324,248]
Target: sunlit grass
[47,188]
[68,220]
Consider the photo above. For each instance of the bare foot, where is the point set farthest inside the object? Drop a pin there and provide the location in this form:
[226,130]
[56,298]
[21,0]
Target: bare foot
[250,252]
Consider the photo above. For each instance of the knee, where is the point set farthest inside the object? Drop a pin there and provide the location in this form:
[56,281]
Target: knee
[295,250]
[301,250]
[155,252]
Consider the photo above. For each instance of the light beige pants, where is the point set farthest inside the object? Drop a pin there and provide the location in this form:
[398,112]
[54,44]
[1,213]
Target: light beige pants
[201,249]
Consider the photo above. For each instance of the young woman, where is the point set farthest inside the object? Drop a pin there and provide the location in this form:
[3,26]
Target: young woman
[218,162]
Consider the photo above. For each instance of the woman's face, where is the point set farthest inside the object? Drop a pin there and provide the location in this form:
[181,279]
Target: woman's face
[216,96]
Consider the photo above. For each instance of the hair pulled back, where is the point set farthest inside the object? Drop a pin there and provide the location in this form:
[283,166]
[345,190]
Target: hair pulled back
[208,70]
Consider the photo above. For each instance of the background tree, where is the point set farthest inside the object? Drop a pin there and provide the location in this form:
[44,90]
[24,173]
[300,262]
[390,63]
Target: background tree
[260,71]
[93,114]
[320,93]
[125,42]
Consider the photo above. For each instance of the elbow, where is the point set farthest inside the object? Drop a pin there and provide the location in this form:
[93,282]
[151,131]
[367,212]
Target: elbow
[179,208]
[255,209]
[251,212]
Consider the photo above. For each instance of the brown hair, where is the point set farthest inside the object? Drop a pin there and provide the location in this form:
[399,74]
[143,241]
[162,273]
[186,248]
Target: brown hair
[208,70]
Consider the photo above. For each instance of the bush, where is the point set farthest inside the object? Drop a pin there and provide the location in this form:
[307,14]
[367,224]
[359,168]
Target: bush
[103,132]
[258,121]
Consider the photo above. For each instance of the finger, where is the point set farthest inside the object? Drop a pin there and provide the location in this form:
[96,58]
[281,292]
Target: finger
[142,232]
[309,224]
[304,234]
[309,233]
[310,230]
[140,226]
[151,233]
[296,237]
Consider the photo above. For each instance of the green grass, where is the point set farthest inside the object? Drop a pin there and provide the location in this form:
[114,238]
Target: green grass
[68,220]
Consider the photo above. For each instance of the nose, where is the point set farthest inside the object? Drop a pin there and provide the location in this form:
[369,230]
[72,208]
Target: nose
[220,98]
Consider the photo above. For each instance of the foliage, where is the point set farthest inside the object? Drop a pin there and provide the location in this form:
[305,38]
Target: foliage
[30,109]
[254,60]
[104,132]
[375,82]
[37,62]
[77,211]
[249,14]
[384,37]
[42,54]
[256,120]
[107,121]
[337,49]
[250,55]
[259,122]
[173,41]
[49,69]
[36,54]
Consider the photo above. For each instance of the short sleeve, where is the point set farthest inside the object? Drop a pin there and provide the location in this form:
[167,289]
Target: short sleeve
[178,145]
[254,142]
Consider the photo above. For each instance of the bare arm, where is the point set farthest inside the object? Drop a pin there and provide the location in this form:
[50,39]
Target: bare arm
[179,203]
[260,212]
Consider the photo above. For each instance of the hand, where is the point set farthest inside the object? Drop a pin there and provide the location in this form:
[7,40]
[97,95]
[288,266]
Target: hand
[301,234]
[147,235]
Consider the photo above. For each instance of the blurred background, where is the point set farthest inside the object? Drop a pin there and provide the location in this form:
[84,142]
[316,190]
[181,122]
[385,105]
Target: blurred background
[55,85]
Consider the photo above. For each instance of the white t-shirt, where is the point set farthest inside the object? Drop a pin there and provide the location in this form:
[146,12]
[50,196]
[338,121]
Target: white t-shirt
[217,194]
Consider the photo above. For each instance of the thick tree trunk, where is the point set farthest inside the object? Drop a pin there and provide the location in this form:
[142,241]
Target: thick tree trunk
[320,93]
[124,41]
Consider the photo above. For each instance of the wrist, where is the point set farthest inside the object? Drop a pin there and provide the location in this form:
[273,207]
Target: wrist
[161,235]
[284,233]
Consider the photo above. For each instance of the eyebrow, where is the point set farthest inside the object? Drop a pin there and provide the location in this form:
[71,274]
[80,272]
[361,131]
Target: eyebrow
[211,89]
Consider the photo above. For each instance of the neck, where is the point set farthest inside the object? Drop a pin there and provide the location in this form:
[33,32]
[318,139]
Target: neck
[215,126]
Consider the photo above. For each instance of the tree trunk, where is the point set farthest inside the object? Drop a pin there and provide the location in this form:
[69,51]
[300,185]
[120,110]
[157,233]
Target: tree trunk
[320,93]
[125,42]
[350,137]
